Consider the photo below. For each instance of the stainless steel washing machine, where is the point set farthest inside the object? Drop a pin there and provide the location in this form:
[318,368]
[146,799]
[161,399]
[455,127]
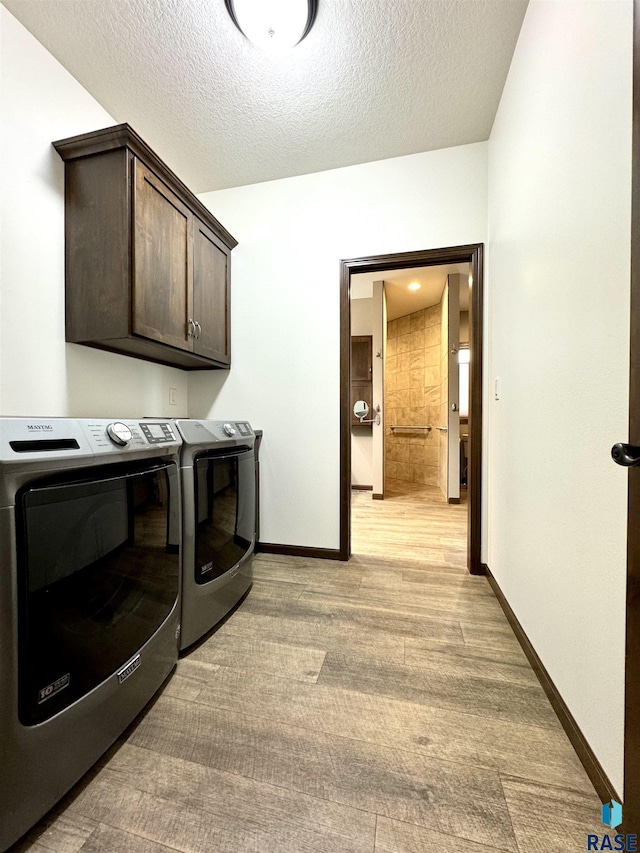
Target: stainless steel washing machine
[89,596]
[218,520]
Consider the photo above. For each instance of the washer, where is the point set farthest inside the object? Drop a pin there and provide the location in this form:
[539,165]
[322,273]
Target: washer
[218,520]
[89,598]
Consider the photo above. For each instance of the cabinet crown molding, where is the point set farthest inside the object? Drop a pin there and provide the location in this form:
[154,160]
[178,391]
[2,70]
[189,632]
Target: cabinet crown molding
[124,136]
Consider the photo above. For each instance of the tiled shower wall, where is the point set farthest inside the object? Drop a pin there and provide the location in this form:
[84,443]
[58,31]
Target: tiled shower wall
[412,398]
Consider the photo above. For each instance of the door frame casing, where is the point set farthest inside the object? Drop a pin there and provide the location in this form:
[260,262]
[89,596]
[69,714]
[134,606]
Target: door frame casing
[474,255]
[631,814]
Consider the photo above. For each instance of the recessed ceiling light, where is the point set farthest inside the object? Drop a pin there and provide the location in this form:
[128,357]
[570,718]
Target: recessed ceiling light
[414,286]
[273,24]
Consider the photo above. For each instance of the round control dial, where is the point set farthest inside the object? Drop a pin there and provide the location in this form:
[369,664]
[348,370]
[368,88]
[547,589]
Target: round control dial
[119,433]
[229,430]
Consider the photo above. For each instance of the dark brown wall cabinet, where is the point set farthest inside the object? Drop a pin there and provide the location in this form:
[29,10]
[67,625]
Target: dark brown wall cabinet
[148,269]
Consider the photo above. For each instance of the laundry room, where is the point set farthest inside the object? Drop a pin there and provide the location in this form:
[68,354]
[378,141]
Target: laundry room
[235,614]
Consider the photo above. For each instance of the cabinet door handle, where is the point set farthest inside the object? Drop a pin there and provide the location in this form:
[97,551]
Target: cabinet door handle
[191,329]
[199,329]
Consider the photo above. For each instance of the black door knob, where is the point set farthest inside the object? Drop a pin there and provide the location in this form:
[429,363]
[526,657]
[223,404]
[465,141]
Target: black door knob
[627,455]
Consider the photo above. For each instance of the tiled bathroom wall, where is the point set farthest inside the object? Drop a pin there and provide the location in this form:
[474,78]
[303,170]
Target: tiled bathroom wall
[412,398]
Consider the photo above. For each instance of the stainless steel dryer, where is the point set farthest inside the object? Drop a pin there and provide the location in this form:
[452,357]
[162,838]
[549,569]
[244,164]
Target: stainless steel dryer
[89,596]
[218,520]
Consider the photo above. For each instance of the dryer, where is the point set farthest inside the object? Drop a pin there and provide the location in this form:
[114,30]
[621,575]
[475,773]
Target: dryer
[218,473]
[89,598]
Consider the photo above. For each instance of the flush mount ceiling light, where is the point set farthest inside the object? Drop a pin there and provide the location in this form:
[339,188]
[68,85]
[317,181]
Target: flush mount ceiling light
[414,286]
[273,24]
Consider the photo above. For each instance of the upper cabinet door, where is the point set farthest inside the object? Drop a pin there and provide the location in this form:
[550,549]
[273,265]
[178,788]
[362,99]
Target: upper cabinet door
[211,291]
[162,248]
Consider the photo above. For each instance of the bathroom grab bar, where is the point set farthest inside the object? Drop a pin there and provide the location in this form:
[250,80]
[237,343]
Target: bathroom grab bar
[411,427]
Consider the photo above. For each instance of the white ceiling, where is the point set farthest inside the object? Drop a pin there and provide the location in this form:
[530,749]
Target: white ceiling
[402,301]
[373,79]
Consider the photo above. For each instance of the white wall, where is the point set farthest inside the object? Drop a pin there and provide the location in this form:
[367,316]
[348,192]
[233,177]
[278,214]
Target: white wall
[362,315]
[559,256]
[41,375]
[361,460]
[285,316]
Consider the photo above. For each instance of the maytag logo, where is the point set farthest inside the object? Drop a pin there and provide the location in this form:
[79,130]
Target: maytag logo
[39,427]
[129,669]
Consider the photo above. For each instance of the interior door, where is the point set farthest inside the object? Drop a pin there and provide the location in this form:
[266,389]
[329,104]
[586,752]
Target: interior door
[162,262]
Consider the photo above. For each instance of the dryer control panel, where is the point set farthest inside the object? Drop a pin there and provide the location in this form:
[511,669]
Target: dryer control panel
[158,433]
[206,432]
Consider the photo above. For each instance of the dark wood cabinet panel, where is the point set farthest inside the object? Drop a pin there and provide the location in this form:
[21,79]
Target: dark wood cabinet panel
[211,295]
[161,267]
[97,201]
[361,358]
[147,265]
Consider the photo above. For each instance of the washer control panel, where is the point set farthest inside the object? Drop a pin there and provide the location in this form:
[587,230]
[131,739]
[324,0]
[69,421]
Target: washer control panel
[119,433]
[128,436]
[108,436]
[23,440]
[157,433]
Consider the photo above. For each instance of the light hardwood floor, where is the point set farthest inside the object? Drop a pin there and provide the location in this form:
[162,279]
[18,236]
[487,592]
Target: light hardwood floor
[378,706]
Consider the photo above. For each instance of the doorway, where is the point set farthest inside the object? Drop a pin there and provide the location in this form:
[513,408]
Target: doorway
[450,474]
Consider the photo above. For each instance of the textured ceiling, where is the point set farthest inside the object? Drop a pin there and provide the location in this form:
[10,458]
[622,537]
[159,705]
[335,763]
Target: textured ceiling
[373,79]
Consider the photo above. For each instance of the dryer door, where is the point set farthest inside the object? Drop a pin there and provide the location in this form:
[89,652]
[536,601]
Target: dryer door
[225,497]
